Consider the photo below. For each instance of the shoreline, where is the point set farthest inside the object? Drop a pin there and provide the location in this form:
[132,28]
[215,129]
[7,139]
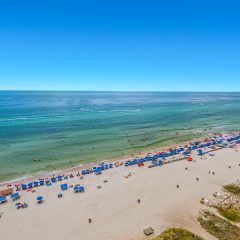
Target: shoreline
[110,199]
[121,159]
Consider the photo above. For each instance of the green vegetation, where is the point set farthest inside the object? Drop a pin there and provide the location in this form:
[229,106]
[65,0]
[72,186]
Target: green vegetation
[218,227]
[177,234]
[230,214]
[232,188]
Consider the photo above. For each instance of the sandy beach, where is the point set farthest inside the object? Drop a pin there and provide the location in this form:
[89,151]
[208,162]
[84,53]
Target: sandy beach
[114,210]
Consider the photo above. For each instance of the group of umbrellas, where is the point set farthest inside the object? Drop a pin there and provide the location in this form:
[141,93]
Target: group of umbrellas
[97,169]
[180,150]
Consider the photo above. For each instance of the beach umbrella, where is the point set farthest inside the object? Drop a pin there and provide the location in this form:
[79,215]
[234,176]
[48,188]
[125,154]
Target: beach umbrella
[81,188]
[39,198]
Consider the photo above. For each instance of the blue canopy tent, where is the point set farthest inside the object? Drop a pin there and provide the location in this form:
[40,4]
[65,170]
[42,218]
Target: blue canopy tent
[30,185]
[98,170]
[14,196]
[24,186]
[75,189]
[3,199]
[81,189]
[59,178]
[64,186]
[40,199]
[35,184]
[200,152]
[53,179]
[41,182]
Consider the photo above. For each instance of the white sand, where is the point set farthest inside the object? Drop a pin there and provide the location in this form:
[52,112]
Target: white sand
[114,210]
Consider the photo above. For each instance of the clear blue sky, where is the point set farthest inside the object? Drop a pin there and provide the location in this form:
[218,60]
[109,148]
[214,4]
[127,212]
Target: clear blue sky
[120,45]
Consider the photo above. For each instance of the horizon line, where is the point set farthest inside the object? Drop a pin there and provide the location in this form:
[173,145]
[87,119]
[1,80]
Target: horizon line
[50,90]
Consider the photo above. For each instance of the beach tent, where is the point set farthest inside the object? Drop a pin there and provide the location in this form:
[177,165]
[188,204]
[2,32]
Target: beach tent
[30,185]
[24,186]
[81,189]
[189,158]
[14,196]
[64,186]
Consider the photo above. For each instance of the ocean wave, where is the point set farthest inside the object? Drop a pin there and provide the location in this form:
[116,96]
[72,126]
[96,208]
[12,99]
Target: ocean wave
[16,119]
[108,111]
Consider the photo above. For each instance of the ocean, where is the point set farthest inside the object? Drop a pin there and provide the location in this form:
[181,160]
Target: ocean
[41,131]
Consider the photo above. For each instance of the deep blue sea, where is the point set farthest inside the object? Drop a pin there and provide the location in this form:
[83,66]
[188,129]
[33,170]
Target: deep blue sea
[43,131]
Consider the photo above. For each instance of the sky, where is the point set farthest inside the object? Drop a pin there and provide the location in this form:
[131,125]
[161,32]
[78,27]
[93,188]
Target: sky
[120,45]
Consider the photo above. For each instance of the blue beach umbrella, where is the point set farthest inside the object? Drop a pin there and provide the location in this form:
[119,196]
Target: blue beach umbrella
[39,198]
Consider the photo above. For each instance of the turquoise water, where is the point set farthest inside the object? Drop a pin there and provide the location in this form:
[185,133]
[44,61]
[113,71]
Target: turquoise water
[42,131]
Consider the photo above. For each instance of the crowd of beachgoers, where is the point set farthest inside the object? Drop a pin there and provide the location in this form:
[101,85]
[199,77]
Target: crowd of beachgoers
[206,145]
